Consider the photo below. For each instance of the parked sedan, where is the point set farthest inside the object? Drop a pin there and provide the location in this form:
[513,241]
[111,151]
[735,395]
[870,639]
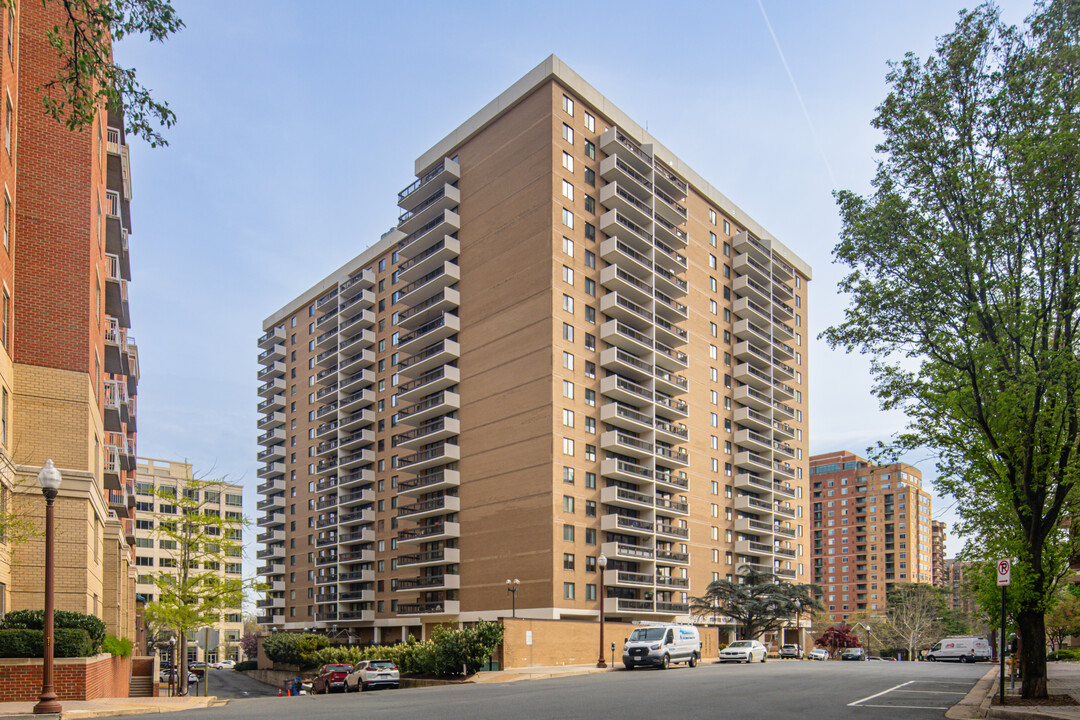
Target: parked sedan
[819,654]
[372,674]
[853,654]
[744,651]
[330,677]
[224,665]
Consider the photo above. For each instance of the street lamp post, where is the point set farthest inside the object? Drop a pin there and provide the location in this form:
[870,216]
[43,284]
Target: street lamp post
[602,562]
[49,478]
[173,678]
[798,630]
[867,627]
[512,588]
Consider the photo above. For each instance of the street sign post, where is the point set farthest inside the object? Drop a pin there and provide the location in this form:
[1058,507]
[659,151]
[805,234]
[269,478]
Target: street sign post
[1004,577]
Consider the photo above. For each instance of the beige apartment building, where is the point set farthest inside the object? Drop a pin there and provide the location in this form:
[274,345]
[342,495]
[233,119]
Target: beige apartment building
[156,557]
[571,348]
[871,530]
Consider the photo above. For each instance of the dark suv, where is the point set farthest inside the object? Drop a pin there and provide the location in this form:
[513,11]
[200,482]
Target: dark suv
[853,654]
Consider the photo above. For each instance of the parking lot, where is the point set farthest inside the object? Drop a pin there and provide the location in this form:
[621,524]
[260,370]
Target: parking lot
[918,695]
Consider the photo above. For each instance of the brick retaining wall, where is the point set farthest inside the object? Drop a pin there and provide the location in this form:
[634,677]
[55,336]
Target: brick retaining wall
[88,678]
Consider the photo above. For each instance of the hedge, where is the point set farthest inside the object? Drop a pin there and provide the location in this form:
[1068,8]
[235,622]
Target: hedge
[445,654]
[62,619]
[67,642]
[118,646]
[295,648]
[1064,654]
[246,665]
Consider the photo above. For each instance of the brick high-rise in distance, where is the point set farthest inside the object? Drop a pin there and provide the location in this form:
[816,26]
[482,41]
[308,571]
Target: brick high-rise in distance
[871,530]
[571,346]
[68,370]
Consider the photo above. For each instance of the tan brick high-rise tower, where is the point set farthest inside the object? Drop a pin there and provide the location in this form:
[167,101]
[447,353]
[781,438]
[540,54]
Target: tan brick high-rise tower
[69,371]
[571,346]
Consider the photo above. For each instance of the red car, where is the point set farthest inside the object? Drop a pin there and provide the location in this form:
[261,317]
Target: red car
[330,677]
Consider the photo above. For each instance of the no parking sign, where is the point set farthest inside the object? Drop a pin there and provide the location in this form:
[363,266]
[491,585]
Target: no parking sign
[1004,571]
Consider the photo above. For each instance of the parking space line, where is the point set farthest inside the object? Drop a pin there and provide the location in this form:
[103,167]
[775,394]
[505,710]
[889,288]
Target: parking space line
[877,695]
[932,692]
[908,707]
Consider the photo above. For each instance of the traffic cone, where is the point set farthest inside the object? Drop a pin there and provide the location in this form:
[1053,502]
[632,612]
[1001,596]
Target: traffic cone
[279,692]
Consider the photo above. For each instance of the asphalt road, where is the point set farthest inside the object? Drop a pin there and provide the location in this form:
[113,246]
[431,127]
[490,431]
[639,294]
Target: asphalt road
[776,689]
[231,685]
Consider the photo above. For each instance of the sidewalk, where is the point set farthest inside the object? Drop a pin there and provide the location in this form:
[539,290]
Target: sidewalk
[539,673]
[107,707]
[1063,678]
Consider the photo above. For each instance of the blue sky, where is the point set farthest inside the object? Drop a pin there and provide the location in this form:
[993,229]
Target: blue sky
[298,122]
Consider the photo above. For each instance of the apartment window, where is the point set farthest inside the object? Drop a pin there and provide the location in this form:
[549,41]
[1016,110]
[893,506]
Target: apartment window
[590,592]
[568,105]
[712,261]
[590,262]
[568,590]
[568,389]
[712,238]
[590,453]
[590,369]
[590,508]
[567,190]
[568,533]
[568,446]
[5,309]
[11,56]
[590,231]
[590,123]
[590,426]
[590,204]
[568,418]
[9,113]
[590,341]
[568,163]
[568,275]
[590,177]
[590,314]
[7,222]
[568,360]
[712,216]
[568,133]
[568,304]
[727,228]
[590,287]
[590,481]
[568,246]
[590,539]
[568,503]
[568,561]
[590,398]
[568,218]
[590,150]
[568,332]
[568,475]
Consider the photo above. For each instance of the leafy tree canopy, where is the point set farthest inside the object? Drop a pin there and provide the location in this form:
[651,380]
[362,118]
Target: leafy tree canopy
[965,285]
[757,602]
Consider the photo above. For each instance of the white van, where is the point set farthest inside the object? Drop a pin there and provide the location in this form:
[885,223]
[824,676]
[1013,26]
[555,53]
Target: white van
[962,648]
[662,644]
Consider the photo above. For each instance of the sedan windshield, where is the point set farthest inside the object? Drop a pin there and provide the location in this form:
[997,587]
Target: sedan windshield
[740,644]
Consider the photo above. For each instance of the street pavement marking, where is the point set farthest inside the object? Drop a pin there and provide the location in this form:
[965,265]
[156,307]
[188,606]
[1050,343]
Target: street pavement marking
[908,707]
[877,695]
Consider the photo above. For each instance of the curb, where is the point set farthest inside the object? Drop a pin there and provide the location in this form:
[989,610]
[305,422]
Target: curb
[977,702]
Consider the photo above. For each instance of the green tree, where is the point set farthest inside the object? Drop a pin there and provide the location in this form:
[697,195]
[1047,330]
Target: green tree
[194,593]
[916,612]
[89,79]
[756,602]
[965,285]
[1063,620]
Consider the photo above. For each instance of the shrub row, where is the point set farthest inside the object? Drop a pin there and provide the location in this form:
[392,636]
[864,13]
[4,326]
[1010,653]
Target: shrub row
[62,619]
[246,665]
[1064,654]
[118,646]
[295,648]
[447,653]
[67,642]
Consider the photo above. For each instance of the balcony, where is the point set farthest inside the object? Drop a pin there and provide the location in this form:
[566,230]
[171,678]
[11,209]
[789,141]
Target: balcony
[355,478]
[271,469]
[669,215]
[626,551]
[276,435]
[615,441]
[431,382]
[629,605]
[439,404]
[442,556]
[271,370]
[671,408]
[429,533]
[438,329]
[625,417]
[443,223]
[623,470]
[428,583]
[429,508]
[619,388]
[433,307]
[634,288]
[417,267]
[627,525]
[746,481]
[616,142]
[439,480]
[434,607]
[271,420]
[271,486]
[672,456]
[670,358]
[631,233]
[615,306]
[755,527]
[273,353]
[621,497]
[271,536]
[430,358]
[672,557]
[439,199]
[622,578]
[273,452]
[272,403]
[271,520]
[621,170]
[636,209]
[274,502]
[271,552]
[440,454]
[445,171]
[752,504]
[622,255]
[752,547]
